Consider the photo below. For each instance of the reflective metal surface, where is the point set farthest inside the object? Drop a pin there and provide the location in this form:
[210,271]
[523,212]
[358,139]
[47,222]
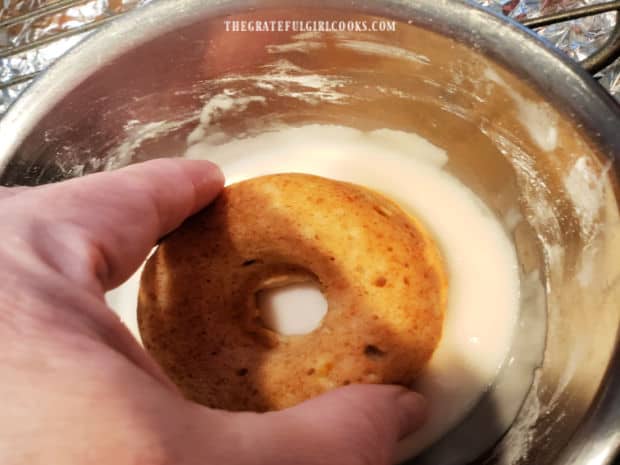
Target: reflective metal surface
[528,131]
[34,33]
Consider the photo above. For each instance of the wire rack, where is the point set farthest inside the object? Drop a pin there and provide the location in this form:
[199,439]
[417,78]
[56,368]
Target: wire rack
[34,33]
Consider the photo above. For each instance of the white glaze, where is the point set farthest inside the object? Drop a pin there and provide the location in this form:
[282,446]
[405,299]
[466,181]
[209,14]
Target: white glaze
[483,298]
[286,79]
[384,50]
[480,259]
[292,309]
[538,118]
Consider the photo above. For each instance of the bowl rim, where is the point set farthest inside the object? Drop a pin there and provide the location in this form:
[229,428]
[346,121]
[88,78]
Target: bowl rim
[502,39]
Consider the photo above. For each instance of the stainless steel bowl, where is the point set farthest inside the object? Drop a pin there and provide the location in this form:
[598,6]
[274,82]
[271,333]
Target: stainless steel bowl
[526,129]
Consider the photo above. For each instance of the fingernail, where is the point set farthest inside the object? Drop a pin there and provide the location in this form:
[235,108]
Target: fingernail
[215,173]
[413,411]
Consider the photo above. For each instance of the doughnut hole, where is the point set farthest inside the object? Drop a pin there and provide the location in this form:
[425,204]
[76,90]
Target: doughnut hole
[291,308]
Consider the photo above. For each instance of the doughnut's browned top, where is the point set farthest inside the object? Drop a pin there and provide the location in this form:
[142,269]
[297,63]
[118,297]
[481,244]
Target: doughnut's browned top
[379,269]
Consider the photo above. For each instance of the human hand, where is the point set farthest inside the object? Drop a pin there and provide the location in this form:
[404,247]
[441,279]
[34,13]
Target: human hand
[78,389]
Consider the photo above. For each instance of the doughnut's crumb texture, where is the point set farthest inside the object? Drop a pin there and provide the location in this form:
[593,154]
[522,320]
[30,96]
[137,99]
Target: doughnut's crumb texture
[378,267]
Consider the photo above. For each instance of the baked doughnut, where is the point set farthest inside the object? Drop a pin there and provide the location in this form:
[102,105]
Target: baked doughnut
[378,268]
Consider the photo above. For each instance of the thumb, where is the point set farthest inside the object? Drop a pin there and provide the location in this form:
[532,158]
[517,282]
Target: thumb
[354,425]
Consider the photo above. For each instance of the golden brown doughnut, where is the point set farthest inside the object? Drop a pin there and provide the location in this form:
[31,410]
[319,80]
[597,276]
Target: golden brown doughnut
[381,273]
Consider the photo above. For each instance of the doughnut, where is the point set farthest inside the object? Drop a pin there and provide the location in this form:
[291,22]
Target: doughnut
[379,269]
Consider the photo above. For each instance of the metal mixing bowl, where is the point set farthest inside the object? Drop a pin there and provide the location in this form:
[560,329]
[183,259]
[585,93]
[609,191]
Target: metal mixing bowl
[526,129]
